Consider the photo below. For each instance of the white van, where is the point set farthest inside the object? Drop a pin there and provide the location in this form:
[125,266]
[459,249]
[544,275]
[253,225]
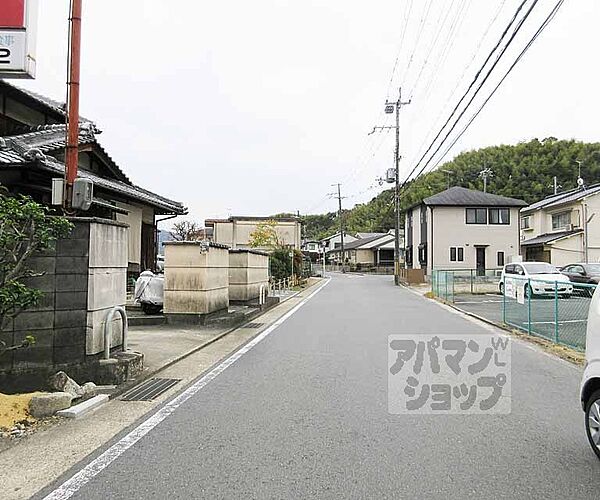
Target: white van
[590,384]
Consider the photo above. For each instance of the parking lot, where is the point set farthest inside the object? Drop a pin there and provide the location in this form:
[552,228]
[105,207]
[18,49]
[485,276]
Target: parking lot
[563,321]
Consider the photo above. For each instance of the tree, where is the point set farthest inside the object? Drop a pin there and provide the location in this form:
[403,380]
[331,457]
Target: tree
[26,227]
[185,230]
[265,235]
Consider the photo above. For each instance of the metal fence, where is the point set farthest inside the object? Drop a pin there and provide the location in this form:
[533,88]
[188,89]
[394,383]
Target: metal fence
[446,283]
[548,309]
[554,310]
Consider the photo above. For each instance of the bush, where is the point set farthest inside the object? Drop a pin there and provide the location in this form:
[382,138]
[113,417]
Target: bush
[26,227]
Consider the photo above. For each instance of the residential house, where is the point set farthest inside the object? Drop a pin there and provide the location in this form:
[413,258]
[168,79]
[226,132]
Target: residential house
[32,151]
[312,249]
[377,249]
[334,242]
[554,229]
[236,231]
[461,228]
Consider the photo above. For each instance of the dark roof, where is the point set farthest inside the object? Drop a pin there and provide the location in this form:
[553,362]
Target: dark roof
[549,237]
[559,199]
[248,250]
[52,138]
[41,102]
[30,151]
[363,241]
[463,197]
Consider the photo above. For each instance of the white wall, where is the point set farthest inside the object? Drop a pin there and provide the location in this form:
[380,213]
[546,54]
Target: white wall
[451,230]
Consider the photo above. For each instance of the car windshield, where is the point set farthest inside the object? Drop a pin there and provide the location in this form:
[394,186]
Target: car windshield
[592,268]
[540,268]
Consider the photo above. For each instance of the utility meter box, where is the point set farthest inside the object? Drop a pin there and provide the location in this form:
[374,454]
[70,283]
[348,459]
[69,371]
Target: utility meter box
[83,193]
[390,175]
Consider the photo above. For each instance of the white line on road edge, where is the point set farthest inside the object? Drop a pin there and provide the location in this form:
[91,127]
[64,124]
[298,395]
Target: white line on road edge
[72,485]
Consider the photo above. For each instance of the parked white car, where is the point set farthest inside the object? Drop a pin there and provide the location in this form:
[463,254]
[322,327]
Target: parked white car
[535,278]
[590,384]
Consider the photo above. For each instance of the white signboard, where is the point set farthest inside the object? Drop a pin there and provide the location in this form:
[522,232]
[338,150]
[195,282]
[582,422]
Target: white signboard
[520,294]
[18,19]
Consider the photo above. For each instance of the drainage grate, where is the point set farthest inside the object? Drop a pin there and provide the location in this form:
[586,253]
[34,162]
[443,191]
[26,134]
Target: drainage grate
[253,325]
[150,389]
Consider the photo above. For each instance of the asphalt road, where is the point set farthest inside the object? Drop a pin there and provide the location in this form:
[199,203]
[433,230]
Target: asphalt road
[304,414]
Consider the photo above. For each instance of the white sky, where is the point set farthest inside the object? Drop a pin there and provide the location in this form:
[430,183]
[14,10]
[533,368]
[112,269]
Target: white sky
[254,108]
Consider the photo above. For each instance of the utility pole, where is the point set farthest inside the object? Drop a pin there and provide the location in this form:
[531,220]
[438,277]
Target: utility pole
[391,107]
[339,197]
[72,148]
[485,174]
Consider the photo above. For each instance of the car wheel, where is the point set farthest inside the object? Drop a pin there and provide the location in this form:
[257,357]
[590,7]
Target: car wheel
[592,421]
[501,286]
[528,291]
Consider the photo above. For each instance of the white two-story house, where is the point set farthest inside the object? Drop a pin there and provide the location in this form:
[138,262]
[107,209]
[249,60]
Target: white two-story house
[555,229]
[461,228]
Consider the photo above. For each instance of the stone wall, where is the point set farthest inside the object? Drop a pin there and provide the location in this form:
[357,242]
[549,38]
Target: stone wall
[248,270]
[83,277]
[196,280]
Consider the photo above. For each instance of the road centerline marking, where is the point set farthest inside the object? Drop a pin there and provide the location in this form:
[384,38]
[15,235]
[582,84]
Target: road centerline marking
[72,485]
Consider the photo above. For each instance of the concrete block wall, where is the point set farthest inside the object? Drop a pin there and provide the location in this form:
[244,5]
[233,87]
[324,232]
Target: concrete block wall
[196,279]
[83,276]
[248,270]
[107,283]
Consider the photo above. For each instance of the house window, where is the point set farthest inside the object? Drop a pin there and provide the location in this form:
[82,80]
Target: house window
[526,222]
[499,216]
[500,260]
[476,216]
[457,254]
[561,220]
[337,245]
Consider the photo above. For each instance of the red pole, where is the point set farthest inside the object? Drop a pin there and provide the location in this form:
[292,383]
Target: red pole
[72,152]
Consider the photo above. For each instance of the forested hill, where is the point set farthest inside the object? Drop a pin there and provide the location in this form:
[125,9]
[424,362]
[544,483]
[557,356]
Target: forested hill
[524,171]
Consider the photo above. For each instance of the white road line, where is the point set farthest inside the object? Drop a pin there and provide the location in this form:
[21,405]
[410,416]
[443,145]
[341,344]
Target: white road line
[81,478]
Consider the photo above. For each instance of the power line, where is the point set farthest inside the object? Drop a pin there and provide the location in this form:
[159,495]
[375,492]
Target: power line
[546,22]
[438,30]
[419,33]
[450,95]
[475,79]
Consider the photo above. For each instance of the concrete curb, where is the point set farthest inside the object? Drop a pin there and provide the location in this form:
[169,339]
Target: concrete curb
[83,408]
[145,376]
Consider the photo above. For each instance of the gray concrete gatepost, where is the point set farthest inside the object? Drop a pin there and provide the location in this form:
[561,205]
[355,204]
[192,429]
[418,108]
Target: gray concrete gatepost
[248,270]
[82,278]
[196,281]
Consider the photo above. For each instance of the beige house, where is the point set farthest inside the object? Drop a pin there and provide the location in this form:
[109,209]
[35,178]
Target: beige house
[554,229]
[236,231]
[462,229]
[376,249]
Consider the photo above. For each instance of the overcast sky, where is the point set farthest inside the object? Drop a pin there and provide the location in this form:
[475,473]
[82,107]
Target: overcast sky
[254,108]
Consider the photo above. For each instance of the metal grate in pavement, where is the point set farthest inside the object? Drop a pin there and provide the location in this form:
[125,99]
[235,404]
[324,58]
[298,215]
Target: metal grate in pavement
[253,325]
[149,389]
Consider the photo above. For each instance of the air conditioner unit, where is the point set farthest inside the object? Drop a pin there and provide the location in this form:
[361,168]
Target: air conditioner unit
[569,227]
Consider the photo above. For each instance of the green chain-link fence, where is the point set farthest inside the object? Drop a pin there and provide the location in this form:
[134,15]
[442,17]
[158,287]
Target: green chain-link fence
[556,311]
[548,309]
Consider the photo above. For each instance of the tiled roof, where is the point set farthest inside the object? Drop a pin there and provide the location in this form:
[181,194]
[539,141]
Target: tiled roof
[364,241]
[549,237]
[42,101]
[31,149]
[559,199]
[51,138]
[116,186]
[460,196]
